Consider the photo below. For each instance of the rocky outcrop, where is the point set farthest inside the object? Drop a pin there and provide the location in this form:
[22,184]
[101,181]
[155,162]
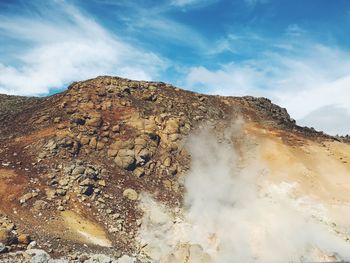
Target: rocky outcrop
[94,149]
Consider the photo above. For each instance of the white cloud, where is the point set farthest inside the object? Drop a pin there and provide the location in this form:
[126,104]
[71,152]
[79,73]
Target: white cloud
[167,30]
[156,22]
[230,79]
[334,119]
[304,81]
[63,50]
[295,30]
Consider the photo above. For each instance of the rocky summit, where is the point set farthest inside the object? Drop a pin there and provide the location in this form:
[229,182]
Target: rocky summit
[100,172]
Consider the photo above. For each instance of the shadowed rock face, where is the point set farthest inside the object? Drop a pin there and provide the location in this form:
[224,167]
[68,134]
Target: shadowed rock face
[93,149]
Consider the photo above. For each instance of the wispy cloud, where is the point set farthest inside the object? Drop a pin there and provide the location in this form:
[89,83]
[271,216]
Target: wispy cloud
[191,3]
[295,30]
[184,2]
[304,78]
[62,50]
[156,22]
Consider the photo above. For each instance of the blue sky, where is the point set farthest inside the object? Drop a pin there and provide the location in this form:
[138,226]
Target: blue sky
[294,52]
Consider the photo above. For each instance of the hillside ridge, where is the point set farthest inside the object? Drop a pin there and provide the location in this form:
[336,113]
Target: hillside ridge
[78,168]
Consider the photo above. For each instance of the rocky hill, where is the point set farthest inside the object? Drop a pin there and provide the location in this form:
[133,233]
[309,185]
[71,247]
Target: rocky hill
[99,172]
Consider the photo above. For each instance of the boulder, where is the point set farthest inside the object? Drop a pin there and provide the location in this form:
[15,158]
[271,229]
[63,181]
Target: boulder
[125,162]
[95,121]
[150,127]
[125,159]
[93,142]
[128,144]
[112,153]
[172,126]
[100,145]
[102,183]
[84,140]
[63,182]
[86,182]
[24,239]
[131,194]
[167,162]
[5,236]
[78,170]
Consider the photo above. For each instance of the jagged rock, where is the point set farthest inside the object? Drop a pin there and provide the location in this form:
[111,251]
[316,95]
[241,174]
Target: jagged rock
[127,144]
[139,172]
[102,183]
[93,142]
[112,153]
[100,145]
[61,192]
[143,156]
[86,182]
[94,121]
[79,170]
[172,126]
[125,159]
[51,145]
[63,182]
[91,172]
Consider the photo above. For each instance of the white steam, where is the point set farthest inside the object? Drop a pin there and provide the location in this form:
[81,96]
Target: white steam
[235,216]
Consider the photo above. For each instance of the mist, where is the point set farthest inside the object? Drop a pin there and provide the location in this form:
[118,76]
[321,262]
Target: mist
[234,215]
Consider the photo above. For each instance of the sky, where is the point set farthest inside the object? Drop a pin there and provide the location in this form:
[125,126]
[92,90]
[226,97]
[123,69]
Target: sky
[294,52]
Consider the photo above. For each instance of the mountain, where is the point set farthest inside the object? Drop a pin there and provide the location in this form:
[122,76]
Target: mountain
[115,170]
